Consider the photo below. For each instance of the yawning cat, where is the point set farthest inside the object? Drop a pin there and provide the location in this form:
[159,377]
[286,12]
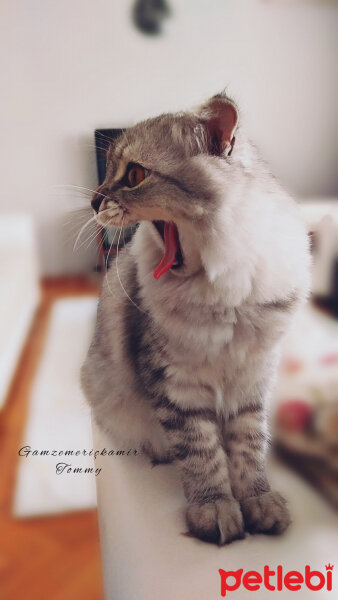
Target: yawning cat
[191,318]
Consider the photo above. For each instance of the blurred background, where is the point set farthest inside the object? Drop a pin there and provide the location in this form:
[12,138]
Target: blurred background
[70,68]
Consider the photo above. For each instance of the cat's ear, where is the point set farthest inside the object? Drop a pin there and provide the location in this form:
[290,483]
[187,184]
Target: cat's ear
[220,118]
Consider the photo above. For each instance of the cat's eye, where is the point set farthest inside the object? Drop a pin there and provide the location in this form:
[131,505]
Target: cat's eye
[134,175]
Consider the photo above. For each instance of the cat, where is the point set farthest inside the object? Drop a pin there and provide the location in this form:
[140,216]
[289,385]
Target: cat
[191,316]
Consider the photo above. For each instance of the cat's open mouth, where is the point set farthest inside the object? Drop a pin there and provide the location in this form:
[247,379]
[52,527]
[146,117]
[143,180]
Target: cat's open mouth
[172,257]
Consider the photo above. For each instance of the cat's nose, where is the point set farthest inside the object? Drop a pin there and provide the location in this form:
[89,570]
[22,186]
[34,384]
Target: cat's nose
[96,201]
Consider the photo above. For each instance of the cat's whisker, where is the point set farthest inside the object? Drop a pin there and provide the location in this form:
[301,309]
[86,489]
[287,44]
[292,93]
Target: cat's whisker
[82,230]
[71,232]
[74,193]
[94,218]
[85,226]
[118,274]
[93,236]
[125,136]
[76,216]
[80,187]
[82,210]
[104,139]
[94,147]
[88,239]
[106,262]
[71,226]
[73,223]
[79,200]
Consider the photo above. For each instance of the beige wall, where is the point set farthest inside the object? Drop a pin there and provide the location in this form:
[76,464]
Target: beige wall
[70,66]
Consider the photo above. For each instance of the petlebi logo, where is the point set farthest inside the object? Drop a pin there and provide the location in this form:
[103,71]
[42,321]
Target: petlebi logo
[276,580]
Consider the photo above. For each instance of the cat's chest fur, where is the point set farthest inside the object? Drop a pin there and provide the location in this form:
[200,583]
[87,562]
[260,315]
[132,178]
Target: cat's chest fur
[204,349]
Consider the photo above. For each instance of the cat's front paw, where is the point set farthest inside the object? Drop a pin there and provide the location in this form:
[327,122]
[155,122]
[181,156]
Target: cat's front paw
[216,522]
[267,513]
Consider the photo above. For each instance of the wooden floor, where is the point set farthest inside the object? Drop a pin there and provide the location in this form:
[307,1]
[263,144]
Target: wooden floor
[44,558]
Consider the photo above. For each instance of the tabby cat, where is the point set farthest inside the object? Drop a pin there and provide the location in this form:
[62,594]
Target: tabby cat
[192,313]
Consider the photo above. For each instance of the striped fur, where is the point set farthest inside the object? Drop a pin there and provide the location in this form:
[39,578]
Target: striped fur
[185,370]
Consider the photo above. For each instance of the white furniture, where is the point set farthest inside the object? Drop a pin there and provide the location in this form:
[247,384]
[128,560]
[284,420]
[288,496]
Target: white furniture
[19,291]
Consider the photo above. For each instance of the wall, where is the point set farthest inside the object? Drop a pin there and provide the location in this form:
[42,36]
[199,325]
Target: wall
[74,65]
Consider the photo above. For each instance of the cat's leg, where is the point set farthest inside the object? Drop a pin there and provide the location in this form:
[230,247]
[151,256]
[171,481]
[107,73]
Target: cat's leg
[246,440]
[213,514]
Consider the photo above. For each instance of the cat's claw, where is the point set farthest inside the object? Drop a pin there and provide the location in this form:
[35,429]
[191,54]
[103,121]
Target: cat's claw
[216,522]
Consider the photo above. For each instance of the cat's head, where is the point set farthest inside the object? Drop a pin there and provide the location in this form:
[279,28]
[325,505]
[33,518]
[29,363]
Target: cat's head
[157,171]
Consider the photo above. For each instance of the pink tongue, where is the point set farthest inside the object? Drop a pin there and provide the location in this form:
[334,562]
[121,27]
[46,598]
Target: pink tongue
[170,250]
